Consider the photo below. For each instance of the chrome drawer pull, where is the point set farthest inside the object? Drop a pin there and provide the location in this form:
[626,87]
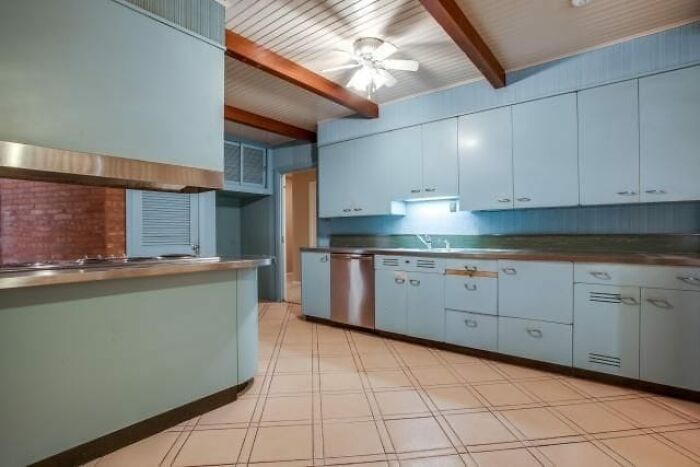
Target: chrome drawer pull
[470,268]
[627,193]
[689,280]
[347,210]
[604,276]
[399,280]
[470,323]
[510,271]
[524,200]
[503,200]
[415,282]
[470,287]
[660,303]
[629,301]
[536,333]
[655,192]
[357,209]
[324,259]
[430,190]
[415,190]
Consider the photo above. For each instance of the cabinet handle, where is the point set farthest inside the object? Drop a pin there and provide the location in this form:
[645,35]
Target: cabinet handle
[689,280]
[430,190]
[347,210]
[503,200]
[399,280]
[415,282]
[357,209]
[655,192]
[533,332]
[415,190]
[627,193]
[509,271]
[604,276]
[324,259]
[660,303]
[629,301]
[524,200]
[470,323]
[470,287]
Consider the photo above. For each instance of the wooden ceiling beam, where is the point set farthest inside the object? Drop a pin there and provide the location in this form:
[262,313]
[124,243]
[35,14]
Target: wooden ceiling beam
[234,114]
[249,52]
[455,23]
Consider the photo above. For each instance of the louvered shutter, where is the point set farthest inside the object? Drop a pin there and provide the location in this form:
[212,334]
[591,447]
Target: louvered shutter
[254,165]
[232,162]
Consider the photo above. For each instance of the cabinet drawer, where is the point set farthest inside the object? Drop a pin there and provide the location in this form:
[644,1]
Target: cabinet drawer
[538,340]
[475,294]
[409,263]
[471,330]
[665,277]
[471,265]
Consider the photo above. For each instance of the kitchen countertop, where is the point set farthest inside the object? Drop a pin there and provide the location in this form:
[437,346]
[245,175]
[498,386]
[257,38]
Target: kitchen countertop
[22,279]
[526,255]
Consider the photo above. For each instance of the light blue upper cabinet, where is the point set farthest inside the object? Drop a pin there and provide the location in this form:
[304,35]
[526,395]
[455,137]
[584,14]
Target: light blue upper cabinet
[334,183]
[486,160]
[669,107]
[608,121]
[545,152]
[397,161]
[440,166]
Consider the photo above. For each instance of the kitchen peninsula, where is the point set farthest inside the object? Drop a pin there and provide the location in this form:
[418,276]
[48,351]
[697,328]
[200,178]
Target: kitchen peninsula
[104,346]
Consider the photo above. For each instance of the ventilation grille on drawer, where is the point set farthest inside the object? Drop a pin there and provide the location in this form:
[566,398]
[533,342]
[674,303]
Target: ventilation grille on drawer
[425,263]
[390,261]
[604,297]
[601,359]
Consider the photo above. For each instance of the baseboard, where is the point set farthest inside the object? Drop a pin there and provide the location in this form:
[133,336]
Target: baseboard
[118,439]
[631,383]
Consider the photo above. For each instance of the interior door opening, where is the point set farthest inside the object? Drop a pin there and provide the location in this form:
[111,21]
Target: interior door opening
[299,227]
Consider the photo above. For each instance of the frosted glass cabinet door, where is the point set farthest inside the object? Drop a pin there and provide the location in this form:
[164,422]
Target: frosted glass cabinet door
[316,284]
[440,159]
[545,152]
[426,309]
[670,338]
[486,160]
[608,122]
[390,300]
[669,110]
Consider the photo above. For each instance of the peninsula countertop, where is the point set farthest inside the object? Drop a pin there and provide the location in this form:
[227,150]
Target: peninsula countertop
[15,278]
[649,259]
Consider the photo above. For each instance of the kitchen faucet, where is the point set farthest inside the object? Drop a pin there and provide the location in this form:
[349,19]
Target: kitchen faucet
[425,240]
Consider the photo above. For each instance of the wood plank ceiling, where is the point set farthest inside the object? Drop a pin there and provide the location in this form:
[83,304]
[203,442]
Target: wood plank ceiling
[520,33]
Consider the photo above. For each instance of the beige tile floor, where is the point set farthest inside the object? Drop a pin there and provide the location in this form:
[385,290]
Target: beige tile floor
[327,396]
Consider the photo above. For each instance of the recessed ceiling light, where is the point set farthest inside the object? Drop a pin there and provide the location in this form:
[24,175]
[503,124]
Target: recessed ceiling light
[578,3]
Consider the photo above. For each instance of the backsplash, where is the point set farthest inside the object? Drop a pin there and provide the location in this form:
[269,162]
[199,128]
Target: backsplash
[435,218]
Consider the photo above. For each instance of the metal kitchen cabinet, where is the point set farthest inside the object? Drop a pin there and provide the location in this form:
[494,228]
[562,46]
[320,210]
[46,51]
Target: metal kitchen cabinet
[440,159]
[545,152]
[538,290]
[486,160]
[669,111]
[471,330]
[247,324]
[608,122]
[606,329]
[537,340]
[334,182]
[390,310]
[316,284]
[425,306]
[670,338]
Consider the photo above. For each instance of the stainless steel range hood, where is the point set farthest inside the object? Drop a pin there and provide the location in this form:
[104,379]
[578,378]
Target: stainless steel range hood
[30,162]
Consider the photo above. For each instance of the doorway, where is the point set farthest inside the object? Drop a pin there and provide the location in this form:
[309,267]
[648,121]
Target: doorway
[299,226]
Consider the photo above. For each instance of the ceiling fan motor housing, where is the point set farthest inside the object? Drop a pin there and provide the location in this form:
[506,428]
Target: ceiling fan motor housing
[366,46]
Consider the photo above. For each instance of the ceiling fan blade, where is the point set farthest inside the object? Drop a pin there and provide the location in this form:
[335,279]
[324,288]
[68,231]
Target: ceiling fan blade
[404,65]
[342,67]
[386,77]
[384,51]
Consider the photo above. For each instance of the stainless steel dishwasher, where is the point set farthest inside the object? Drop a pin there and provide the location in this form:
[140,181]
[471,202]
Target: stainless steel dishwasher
[352,289]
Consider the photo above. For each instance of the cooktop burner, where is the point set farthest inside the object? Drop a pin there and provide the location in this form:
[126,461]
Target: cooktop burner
[86,263]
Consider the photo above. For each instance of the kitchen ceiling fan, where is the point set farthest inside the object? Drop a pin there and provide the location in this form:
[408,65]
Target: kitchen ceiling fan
[371,56]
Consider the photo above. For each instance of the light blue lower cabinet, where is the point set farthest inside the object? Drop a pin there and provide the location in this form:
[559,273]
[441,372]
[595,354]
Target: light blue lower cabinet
[316,284]
[390,312]
[247,324]
[474,294]
[425,307]
[606,329]
[471,330]
[537,340]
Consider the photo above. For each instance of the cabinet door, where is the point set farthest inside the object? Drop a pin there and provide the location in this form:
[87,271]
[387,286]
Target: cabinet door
[247,324]
[440,159]
[426,311]
[608,121]
[669,106]
[670,338]
[537,340]
[536,290]
[316,284]
[402,176]
[471,330]
[486,160]
[334,162]
[390,300]
[606,329]
[545,152]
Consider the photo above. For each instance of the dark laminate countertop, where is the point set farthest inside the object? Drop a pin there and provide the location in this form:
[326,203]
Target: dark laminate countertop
[16,280]
[527,255]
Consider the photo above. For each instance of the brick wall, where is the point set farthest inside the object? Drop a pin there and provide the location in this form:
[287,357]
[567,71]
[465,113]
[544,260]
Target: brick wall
[49,221]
